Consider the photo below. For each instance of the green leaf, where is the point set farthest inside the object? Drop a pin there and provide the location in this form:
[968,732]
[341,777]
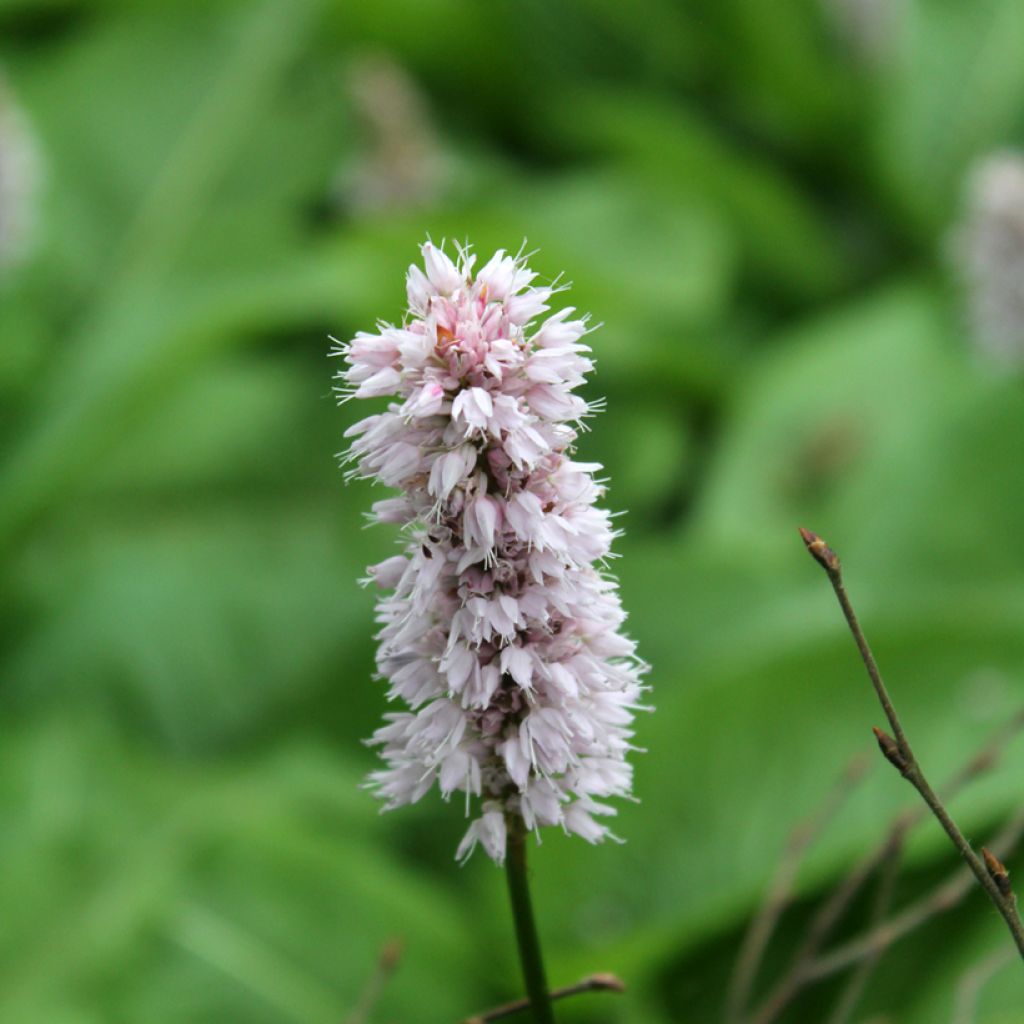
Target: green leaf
[953,93]
[784,239]
[247,889]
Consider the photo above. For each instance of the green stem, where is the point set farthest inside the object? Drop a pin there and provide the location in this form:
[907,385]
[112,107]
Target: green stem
[526,928]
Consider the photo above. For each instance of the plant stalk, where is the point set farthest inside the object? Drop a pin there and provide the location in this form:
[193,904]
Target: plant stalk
[526,928]
[899,753]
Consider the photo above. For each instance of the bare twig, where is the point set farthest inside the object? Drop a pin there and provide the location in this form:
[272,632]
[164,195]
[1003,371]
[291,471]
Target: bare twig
[899,751]
[824,921]
[780,890]
[973,981]
[387,963]
[832,910]
[944,897]
[594,983]
[808,968]
[835,906]
[858,980]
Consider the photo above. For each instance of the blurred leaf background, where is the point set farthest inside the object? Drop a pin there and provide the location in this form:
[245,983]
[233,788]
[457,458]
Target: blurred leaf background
[756,200]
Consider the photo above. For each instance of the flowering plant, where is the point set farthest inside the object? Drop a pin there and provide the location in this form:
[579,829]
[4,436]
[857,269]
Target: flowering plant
[502,634]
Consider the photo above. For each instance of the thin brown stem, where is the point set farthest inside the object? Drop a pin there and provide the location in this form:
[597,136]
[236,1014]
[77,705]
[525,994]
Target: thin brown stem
[842,896]
[834,907]
[878,939]
[858,980]
[944,897]
[831,911]
[594,983]
[822,925]
[903,757]
[387,963]
[974,981]
[780,891]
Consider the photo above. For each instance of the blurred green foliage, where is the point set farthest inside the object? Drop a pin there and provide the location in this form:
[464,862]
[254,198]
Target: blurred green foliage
[754,201]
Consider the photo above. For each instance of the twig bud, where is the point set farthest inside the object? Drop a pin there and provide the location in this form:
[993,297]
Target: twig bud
[820,551]
[391,954]
[601,982]
[997,871]
[605,982]
[891,749]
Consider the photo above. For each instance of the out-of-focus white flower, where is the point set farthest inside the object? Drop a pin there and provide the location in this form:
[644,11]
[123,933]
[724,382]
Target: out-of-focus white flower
[989,251]
[502,635]
[19,180]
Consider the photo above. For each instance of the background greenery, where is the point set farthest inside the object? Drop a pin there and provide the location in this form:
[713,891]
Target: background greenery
[755,199]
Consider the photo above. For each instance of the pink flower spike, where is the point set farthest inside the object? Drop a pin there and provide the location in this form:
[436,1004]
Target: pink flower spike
[499,632]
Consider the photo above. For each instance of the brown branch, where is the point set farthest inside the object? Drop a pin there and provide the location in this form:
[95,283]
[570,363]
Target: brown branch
[594,983]
[387,964]
[831,911]
[904,757]
[858,981]
[833,908]
[944,897]
[808,968]
[780,890]
[974,980]
[823,923]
